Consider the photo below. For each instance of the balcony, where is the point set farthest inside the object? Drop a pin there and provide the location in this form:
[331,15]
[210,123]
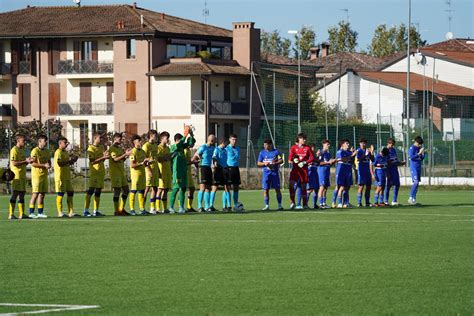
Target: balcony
[5,112]
[226,108]
[5,71]
[85,69]
[82,109]
[24,67]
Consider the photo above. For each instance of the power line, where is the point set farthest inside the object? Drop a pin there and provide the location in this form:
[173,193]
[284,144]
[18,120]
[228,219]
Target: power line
[205,11]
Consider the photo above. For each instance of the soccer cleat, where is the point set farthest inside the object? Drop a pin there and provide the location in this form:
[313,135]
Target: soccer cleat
[133,213]
[71,215]
[394,204]
[12,217]
[41,216]
[280,208]
[182,210]
[24,216]
[32,216]
[153,212]
[369,205]
[238,209]
[171,211]
[360,205]
[191,210]
[86,213]
[386,204]
[339,205]
[305,207]
[266,208]
[97,214]
[212,209]
[333,205]
[298,207]
[315,207]
[346,206]
[202,210]
[143,213]
[292,206]
[62,215]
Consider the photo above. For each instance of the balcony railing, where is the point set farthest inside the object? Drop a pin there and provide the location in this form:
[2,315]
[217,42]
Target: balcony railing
[5,68]
[5,110]
[85,67]
[86,108]
[197,106]
[229,108]
[24,67]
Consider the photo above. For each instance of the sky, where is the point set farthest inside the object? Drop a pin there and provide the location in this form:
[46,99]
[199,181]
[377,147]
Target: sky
[429,16]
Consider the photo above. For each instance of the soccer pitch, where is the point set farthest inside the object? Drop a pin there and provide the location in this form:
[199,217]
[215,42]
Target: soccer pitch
[404,260]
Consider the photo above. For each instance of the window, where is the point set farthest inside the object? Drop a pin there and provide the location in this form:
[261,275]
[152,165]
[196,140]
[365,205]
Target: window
[216,52]
[228,129]
[243,92]
[86,50]
[99,127]
[131,128]
[226,91]
[25,51]
[359,110]
[131,91]
[24,106]
[131,48]
[181,50]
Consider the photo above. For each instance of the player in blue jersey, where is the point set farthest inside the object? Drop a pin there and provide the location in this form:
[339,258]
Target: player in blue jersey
[416,154]
[204,156]
[344,158]
[313,179]
[219,159]
[270,160]
[380,165]
[233,171]
[364,157]
[393,176]
[324,172]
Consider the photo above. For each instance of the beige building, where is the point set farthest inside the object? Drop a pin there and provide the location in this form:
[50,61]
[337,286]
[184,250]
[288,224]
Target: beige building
[114,68]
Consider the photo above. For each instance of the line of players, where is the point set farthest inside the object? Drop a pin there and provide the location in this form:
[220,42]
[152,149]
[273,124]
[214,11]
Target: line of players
[156,168]
[310,173]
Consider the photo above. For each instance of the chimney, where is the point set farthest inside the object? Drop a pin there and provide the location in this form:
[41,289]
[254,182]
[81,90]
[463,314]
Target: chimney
[134,5]
[313,53]
[245,43]
[162,16]
[324,49]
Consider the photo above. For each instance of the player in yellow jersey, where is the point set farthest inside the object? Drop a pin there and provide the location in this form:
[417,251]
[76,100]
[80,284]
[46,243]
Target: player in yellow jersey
[41,163]
[62,178]
[18,162]
[188,154]
[117,174]
[152,170]
[97,155]
[164,163]
[138,161]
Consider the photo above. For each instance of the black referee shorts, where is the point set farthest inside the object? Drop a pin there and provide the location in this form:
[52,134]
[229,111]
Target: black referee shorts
[233,175]
[220,177]
[205,175]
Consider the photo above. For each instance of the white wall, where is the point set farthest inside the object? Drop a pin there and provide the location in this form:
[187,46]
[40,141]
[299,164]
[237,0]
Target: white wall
[105,48]
[6,96]
[98,90]
[6,49]
[171,96]
[332,92]
[217,88]
[444,70]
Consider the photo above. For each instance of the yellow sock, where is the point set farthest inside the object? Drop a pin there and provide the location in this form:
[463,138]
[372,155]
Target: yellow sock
[59,204]
[11,208]
[132,201]
[70,204]
[21,208]
[96,202]
[116,205]
[158,205]
[87,203]
[189,203]
[122,203]
[141,201]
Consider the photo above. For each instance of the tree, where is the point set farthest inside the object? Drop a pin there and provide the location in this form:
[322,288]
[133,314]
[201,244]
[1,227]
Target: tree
[319,108]
[387,41]
[342,38]
[304,40]
[272,43]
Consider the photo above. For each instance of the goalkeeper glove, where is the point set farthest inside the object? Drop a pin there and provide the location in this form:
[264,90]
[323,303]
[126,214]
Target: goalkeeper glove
[296,160]
[301,164]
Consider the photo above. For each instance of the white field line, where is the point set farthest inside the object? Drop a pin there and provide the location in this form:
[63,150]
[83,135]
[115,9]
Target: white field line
[51,308]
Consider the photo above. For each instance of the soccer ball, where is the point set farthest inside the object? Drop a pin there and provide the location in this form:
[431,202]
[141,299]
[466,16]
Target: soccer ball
[239,207]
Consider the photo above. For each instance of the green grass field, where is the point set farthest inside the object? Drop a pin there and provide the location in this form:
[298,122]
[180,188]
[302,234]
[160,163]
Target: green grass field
[405,260]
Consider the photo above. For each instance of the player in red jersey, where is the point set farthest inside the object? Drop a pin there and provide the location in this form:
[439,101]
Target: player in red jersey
[300,156]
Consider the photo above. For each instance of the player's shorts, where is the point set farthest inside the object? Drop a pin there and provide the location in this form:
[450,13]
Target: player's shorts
[393,177]
[323,177]
[119,181]
[190,178]
[344,179]
[19,185]
[233,175]
[96,181]
[270,181]
[415,174]
[313,180]
[299,175]
[364,177]
[138,183]
[165,181]
[63,186]
[219,176]
[380,177]
[40,185]
[205,175]
[154,179]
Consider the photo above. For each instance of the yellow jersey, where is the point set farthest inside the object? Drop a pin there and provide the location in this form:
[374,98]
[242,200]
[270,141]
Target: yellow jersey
[18,154]
[165,166]
[41,156]
[96,152]
[116,168]
[61,173]
[151,151]
[137,155]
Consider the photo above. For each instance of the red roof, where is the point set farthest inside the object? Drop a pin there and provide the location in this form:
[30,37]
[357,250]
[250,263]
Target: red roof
[399,80]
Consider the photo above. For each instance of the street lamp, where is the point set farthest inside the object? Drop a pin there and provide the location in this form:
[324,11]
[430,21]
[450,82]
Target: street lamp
[294,32]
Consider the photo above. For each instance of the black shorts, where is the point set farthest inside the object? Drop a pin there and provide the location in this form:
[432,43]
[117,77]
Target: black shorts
[205,175]
[220,177]
[233,175]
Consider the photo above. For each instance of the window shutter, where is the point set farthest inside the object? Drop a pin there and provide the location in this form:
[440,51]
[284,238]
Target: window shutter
[20,99]
[94,50]
[15,57]
[53,56]
[131,128]
[32,60]
[131,91]
[25,99]
[77,50]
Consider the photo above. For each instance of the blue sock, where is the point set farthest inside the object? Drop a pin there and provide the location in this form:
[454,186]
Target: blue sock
[315,199]
[224,199]
[346,196]
[279,198]
[298,195]
[386,193]
[229,204]
[212,199]
[334,196]
[339,199]
[414,189]
[200,196]
[376,198]
[236,197]
[367,197]
[324,200]
[206,199]
[266,200]
[395,193]
[359,198]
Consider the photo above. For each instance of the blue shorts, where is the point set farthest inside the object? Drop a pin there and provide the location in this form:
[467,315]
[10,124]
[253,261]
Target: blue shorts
[415,174]
[380,177]
[364,177]
[344,179]
[323,176]
[313,180]
[393,177]
[270,181]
